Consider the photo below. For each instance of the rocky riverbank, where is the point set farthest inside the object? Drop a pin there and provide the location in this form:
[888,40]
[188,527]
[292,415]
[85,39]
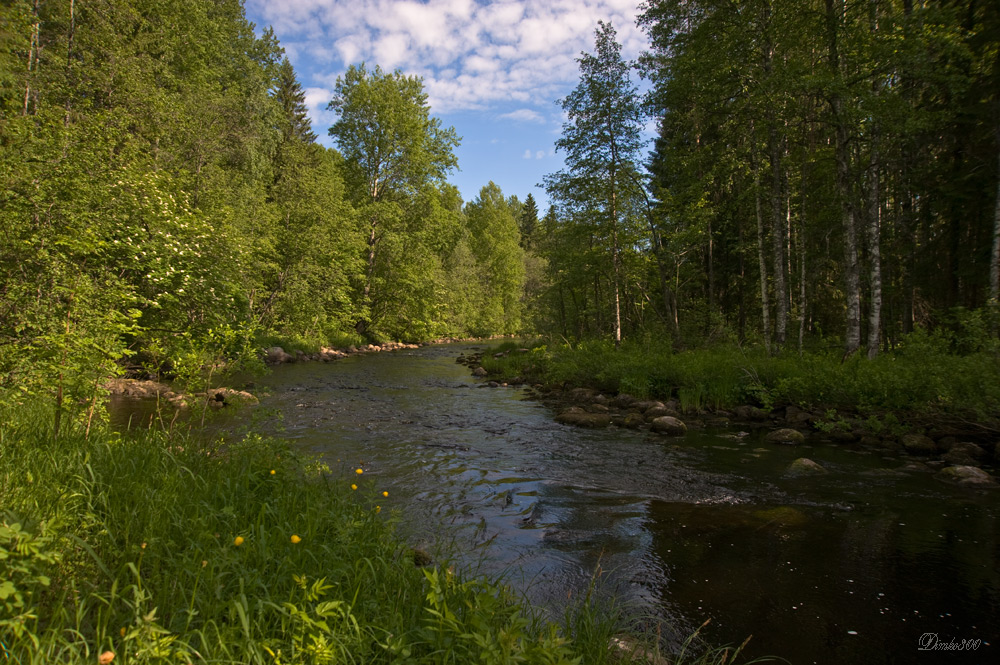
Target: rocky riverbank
[957,452]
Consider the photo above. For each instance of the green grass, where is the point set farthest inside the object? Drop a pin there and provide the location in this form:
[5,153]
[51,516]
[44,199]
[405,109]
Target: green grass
[161,549]
[921,377]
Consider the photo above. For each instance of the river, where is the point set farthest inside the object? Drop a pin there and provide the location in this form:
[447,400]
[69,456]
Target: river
[866,564]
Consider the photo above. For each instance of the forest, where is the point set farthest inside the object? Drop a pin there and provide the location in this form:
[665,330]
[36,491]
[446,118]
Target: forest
[825,175]
[823,191]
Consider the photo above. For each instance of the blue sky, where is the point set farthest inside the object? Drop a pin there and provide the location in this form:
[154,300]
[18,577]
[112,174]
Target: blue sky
[495,71]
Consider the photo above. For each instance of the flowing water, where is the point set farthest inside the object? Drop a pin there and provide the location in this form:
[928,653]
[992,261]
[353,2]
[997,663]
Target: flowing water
[863,565]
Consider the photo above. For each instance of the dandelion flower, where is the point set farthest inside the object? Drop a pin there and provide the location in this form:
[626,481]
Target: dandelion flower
[359,471]
[385,494]
[238,541]
[106,658]
[378,509]
[353,486]
[295,539]
[272,472]
[143,546]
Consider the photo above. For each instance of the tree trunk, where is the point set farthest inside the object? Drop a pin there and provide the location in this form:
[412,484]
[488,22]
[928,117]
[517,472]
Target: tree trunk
[778,243]
[765,307]
[995,256]
[852,277]
[874,251]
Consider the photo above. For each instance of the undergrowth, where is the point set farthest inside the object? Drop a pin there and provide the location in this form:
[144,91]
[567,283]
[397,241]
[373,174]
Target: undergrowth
[922,376]
[154,548]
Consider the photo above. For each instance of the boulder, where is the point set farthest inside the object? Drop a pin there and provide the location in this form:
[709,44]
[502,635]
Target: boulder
[231,396]
[479,371]
[668,425]
[276,355]
[634,421]
[749,413]
[804,467]
[655,412]
[967,476]
[785,435]
[623,401]
[580,418]
[918,444]
[968,448]
[796,416]
[959,458]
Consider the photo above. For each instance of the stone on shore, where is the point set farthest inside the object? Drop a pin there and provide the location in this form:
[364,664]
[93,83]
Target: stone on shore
[669,425]
[919,444]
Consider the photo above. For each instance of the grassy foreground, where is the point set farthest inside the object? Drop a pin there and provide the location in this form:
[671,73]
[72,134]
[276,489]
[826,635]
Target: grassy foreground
[921,378]
[144,548]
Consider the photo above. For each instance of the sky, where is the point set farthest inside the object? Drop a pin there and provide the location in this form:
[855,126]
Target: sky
[494,70]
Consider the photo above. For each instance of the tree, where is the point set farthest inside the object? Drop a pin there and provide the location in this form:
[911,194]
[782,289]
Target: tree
[528,222]
[393,149]
[602,184]
[493,239]
[288,93]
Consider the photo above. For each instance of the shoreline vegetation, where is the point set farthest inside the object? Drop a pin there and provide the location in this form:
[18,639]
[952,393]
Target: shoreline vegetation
[153,546]
[921,400]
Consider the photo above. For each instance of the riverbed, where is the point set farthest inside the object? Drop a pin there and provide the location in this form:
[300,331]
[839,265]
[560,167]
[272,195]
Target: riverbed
[867,564]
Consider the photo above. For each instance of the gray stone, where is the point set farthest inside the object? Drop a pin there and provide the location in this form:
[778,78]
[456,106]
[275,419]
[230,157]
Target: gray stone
[967,476]
[786,436]
[669,425]
[580,418]
[479,371]
[919,444]
[804,467]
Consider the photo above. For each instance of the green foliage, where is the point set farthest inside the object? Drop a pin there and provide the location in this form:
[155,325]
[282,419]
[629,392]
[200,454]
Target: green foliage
[163,548]
[922,378]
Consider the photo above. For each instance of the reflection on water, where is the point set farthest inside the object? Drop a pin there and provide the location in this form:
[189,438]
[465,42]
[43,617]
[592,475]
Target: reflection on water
[851,567]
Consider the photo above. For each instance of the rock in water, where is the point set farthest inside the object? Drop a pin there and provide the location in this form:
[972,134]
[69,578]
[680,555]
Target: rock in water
[669,425]
[787,436]
[804,466]
[967,476]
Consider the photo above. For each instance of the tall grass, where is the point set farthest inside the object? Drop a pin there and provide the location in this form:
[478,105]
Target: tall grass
[160,549]
[922,376]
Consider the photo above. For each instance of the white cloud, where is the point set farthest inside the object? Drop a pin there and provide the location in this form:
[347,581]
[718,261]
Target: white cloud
[540,154]
[524,115]
[527,154]
[472,55]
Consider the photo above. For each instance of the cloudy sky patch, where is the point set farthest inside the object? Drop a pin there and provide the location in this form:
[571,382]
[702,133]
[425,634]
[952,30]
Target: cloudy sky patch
[485,65]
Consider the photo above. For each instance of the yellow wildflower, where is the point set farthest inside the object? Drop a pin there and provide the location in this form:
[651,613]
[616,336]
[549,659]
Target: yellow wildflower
[143,546]
[122,631]
[359,471]
[378,509]
[295,539]
[106,658]
[353,486]
[238,541]
[272,472]
[386,494]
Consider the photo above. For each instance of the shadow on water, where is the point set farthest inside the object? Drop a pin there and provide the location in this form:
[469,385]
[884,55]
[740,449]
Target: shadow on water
[851,567]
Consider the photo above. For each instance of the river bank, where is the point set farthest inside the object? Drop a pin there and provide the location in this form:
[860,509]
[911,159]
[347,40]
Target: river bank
[153,546]
[585,388]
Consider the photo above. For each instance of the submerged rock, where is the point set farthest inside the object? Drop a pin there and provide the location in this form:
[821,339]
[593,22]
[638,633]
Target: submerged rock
[669,425]
[782,516]
[804,466]
[967,476]
[786,435]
